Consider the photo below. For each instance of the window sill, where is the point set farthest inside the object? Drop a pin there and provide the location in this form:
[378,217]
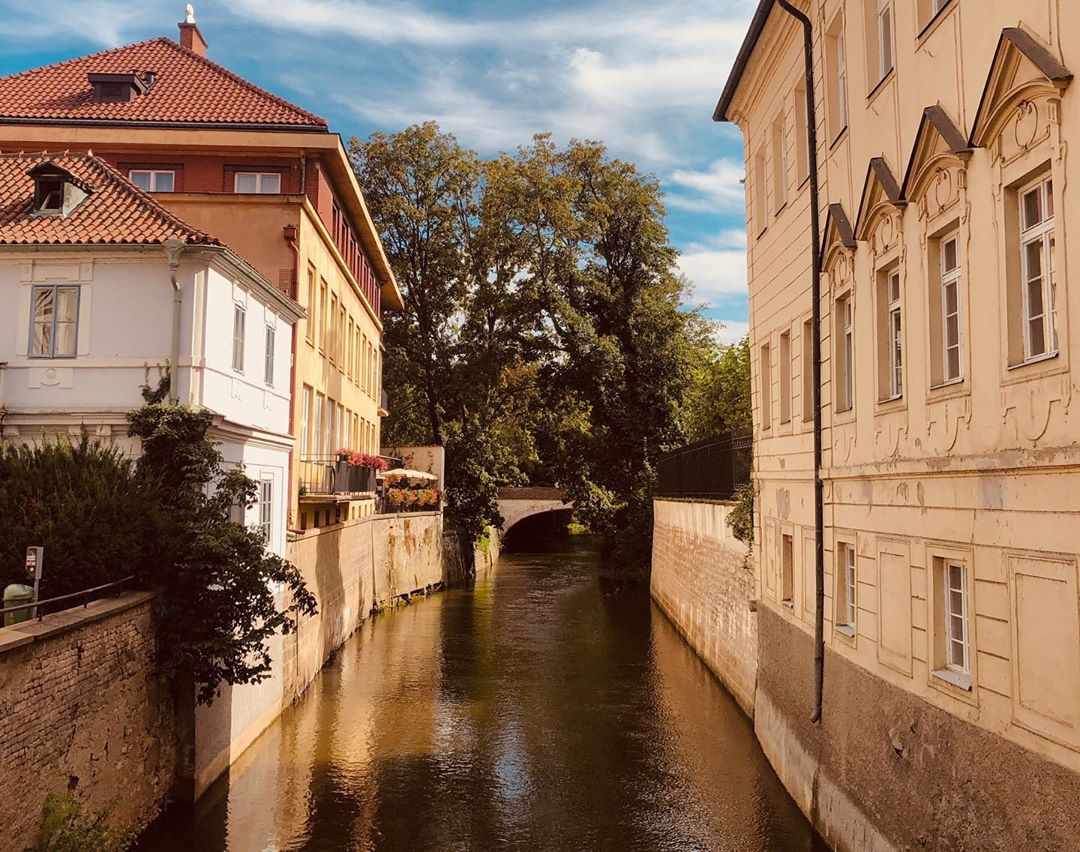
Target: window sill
[880,85]
[932,24]
[838,138]
[951,383]
[845,630]
[779,209]
[956,679]
[1038,359]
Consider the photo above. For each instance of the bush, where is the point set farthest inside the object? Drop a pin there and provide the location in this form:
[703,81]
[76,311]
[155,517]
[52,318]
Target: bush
[66,827]
[741,518]
[83,503]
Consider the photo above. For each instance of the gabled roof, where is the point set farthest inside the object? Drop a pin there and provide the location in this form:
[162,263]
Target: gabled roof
[186,89]
[837,229]
[879,188]
[757,24]
[1015,46]
[115,211]
[937,135]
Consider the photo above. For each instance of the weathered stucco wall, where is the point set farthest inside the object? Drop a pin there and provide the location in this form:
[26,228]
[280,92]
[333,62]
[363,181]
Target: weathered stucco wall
[702,580]
[81,713]
[886,770]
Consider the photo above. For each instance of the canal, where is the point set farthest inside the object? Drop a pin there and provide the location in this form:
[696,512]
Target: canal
[537,709]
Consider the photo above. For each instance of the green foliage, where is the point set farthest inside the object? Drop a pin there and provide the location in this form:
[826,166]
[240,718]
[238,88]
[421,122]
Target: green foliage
[219,603]
[84,504]
[66,827]
[719,402]
[741,517]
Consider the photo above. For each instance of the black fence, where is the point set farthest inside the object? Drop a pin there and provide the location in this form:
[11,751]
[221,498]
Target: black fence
[711,469]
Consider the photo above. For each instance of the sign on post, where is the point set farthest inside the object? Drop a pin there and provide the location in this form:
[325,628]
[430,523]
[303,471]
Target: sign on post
[35,561]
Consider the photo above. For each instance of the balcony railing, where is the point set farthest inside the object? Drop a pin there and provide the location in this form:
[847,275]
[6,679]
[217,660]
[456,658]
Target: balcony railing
[322,476]
[710,470]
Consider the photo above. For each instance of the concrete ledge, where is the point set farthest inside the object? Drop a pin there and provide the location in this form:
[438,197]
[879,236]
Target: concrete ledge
[53,624]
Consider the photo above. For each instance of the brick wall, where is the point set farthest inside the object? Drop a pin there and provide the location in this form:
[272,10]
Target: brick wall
[81,712]
[702,580]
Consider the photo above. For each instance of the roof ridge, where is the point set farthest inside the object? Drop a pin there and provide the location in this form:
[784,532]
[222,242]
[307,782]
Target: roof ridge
[236,78]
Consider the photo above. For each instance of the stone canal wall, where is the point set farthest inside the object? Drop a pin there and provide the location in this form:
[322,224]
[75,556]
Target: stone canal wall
[702,581]
[82,714]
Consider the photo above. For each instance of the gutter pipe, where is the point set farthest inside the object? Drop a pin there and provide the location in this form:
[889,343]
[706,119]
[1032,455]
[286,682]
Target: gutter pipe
[173,249]
[815,290]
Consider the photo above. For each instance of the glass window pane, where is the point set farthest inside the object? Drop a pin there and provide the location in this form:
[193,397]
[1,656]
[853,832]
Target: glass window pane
[1032,208]
[1034,256]
[949,255]
[270,183]
[950,298]
[246,182]
[1049,185]
[953,365]
[141,179]
[164,182]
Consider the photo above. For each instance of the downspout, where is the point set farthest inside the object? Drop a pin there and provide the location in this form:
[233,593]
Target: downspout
[815,290]
[173,249]
[291,235]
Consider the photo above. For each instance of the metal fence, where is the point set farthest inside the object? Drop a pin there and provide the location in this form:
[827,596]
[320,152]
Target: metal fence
[38,608]
[711,469]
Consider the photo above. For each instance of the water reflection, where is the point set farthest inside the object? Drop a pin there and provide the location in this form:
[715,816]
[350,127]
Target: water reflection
[535,711]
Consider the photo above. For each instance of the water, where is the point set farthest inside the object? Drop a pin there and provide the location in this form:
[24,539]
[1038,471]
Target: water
[536,710]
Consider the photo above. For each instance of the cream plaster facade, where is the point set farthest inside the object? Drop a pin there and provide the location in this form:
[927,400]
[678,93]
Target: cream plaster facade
[951,462]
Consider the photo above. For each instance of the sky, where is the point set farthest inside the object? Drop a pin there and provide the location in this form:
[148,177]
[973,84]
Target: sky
[641,76]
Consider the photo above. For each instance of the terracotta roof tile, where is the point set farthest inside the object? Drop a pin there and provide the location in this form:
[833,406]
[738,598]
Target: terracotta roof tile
[187,88]
[115,212]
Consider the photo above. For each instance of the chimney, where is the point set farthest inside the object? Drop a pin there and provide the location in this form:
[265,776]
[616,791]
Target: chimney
[190,37]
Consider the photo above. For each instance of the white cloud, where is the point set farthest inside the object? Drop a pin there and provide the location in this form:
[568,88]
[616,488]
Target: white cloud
[718,189]
[731,331]
[717,275]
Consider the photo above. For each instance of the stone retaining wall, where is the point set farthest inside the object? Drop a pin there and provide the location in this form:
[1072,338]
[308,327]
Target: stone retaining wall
[82,713]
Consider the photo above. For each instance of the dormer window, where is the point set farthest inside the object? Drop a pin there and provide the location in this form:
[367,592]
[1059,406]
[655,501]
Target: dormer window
[56,191]
[119,88]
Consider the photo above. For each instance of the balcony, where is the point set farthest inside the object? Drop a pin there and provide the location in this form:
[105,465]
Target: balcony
[326,478]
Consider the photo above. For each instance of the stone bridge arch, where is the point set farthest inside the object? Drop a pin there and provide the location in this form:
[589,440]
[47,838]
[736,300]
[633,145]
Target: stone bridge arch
[516,504]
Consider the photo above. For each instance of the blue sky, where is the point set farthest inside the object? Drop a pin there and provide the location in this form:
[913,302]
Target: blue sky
[642,76]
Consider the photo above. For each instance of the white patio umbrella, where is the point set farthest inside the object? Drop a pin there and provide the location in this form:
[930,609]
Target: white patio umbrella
[410,474]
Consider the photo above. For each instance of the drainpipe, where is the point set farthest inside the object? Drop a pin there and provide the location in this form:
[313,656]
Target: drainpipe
[173,250]
[291,235]
[815,290]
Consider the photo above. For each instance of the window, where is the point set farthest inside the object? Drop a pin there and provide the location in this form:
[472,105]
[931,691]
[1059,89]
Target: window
[349,354]
[787,569]
[341,338]
[802,144]
[881,41]
[1037,270]
[837,76]
[779,143]
[263,183]
[319,449]
[309,326]
[305,422]
[808,370]
[945,363]
[952,635]
[844,613]
[239,318]
[322,314]
[153,180]
[928,10]
[331,427]
[266,508]
[268,364]
[845,354]
[371,377]
[760,202]
[331,343]
[766,388]
[54,326]
[890,336]
[785,377]
[358,355]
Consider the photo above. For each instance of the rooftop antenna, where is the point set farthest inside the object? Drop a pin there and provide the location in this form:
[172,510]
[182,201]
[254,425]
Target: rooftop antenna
[189,14]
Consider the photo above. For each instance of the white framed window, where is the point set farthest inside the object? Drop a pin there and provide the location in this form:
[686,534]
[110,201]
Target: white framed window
[780,163]
[785,377]
[268,361]
[952,633]
[895,335]
[766,387]
[318,434]
[845,363]
[266,508]
[305,421]
[787,569]
[262,183]
[239,322]
[807,368]
[950,307]
[846,589]
[836,68]
[153,180]
[761,214]
[54,321]
[802,145]
[1039,302]
[884,26]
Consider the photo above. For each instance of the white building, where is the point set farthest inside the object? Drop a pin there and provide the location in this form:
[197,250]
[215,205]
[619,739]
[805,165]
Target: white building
[102,289]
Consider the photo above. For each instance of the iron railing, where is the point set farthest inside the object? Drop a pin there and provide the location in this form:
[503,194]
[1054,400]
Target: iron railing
[712,469]
[325,475]
[86,594]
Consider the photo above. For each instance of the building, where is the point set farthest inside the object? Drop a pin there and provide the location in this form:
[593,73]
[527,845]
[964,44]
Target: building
[272,182]
[104,289]
[951,692]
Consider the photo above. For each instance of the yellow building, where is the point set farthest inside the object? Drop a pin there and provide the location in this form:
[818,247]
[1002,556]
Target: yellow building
[272,182]
[949,450]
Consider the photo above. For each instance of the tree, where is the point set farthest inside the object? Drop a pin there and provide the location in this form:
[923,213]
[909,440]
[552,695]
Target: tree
[218,603]
[720,400]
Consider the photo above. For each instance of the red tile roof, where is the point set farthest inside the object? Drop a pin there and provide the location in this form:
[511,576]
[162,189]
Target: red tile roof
[187,88]
[115,212]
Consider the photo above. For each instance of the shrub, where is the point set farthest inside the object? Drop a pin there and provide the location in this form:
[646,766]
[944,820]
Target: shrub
[741,517]
[66,827]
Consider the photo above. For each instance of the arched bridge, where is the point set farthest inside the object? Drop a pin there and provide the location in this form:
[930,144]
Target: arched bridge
[516,504]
